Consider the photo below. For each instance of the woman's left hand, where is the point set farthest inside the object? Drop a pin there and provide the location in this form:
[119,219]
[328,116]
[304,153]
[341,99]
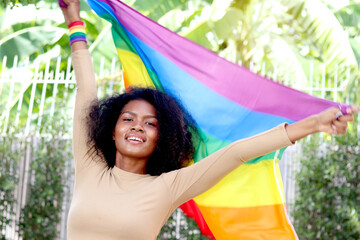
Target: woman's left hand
[329,121]
[332,121]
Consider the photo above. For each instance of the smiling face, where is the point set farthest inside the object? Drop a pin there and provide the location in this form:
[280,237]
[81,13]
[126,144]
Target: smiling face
[136,132]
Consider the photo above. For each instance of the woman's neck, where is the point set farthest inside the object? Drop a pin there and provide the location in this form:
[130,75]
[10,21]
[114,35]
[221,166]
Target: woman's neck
[137,166]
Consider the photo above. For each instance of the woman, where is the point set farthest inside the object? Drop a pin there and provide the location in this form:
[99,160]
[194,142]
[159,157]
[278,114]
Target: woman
[129,151]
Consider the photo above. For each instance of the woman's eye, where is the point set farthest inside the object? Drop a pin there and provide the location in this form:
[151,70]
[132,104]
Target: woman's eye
[127,119]
[151,124]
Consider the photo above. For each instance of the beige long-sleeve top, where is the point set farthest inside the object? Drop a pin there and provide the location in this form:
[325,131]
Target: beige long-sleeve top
[111,204]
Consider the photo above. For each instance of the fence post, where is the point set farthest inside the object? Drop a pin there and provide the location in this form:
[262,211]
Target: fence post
[32,98]
[11,92]
[43,93]
[56,79]
[20,100]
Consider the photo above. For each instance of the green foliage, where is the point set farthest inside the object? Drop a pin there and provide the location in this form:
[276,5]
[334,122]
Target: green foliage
[31,40]
[42,213]
[46,182]
[349,17]
[328,189]
[157,9]
[13,3]
[9,159]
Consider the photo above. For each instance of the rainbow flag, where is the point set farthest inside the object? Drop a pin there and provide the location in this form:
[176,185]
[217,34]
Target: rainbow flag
[228,102]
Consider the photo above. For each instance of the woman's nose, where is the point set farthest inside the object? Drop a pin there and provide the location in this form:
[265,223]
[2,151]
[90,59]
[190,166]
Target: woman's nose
[137,128]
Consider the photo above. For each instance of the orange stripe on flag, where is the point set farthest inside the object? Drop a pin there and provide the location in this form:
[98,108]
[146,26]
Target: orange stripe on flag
[250,223]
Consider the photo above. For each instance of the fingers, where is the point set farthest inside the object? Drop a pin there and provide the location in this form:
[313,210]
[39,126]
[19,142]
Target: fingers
[340,123]
[339,127]
[345,118]
[338,114]
[352,110]
[62,4]
[71,11]
[333,121]
[68,2]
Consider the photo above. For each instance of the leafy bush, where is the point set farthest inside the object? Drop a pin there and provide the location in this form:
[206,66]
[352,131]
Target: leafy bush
[41,215]
[328,190]
[187,228]
[9,160]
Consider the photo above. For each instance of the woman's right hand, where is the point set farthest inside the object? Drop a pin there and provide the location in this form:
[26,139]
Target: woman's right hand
[72,14]
[72,11]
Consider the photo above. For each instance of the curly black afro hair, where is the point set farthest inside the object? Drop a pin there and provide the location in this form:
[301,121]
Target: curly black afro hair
[176,129]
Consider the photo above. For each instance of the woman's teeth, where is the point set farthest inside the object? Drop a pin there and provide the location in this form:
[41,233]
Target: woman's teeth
[135,139]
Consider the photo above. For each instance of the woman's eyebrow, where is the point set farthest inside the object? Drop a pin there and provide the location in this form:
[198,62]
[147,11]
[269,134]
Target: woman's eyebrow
[150,116]
[134,114]
[129,112]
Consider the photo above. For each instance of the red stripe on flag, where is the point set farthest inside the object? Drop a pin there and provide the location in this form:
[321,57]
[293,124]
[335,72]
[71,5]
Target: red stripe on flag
[192,211]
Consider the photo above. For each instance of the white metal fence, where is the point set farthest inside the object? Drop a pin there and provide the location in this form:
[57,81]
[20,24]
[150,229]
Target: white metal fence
[29,91]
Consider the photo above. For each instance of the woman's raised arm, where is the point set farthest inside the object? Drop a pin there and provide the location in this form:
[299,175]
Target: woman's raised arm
[85,77]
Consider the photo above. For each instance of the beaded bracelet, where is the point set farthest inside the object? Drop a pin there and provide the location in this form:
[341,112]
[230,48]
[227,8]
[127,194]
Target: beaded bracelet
[77,32]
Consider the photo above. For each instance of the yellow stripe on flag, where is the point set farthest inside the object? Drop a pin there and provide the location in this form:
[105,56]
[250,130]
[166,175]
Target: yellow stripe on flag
[247,186]
[135,71]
